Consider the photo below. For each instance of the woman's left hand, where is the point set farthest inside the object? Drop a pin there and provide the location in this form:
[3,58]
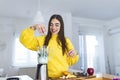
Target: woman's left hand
[72,53]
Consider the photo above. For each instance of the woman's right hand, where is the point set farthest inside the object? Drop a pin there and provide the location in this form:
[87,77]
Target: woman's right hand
[40,27]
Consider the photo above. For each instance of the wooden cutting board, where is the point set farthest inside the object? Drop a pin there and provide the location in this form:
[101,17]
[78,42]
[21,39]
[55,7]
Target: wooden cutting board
[78,78]
[69,79]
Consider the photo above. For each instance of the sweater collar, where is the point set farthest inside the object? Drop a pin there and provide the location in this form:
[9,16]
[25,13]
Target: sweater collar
[54,35]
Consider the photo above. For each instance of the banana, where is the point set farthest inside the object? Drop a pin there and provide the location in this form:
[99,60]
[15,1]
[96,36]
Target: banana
[67,74]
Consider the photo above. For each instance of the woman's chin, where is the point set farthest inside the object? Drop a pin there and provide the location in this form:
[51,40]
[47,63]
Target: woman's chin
[54,33]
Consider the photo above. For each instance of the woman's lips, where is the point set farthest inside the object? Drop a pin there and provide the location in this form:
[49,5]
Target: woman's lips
[53,31]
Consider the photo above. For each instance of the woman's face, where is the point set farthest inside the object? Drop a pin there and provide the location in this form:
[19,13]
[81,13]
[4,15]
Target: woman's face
[55,26]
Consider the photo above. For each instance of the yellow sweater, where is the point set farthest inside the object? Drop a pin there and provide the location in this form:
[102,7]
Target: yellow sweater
[57,63]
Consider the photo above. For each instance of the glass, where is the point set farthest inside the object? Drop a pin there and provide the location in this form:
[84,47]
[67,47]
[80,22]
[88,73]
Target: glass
[43,55]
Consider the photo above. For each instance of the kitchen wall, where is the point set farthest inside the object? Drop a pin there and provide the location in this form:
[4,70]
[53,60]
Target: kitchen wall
[112,44]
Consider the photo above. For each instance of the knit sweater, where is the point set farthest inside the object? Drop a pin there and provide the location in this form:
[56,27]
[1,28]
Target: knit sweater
[57,62]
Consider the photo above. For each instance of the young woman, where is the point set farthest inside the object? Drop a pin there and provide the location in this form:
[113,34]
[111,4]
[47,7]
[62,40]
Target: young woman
[62,55]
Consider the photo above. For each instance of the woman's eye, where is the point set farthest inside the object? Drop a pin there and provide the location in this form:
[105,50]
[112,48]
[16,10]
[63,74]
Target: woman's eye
[51,24]
[57,25]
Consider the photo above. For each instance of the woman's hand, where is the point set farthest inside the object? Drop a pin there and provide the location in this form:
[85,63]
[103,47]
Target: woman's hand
[40,27]
[72,53]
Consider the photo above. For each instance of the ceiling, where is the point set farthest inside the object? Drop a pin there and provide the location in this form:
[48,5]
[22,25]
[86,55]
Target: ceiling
[93,9]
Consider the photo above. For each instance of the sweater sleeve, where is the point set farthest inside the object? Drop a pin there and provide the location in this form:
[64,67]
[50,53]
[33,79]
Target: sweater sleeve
[71,60]
[28,39]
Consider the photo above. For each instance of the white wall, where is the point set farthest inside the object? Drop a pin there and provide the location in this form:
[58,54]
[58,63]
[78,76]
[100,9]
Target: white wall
[112,41]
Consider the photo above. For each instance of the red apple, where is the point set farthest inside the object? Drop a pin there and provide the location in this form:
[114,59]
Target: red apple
[90,71]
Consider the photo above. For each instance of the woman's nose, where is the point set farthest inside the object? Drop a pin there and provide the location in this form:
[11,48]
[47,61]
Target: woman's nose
[53,26]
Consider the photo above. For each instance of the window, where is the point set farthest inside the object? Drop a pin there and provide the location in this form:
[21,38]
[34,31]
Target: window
[88,44]
[22,56]
[91,44]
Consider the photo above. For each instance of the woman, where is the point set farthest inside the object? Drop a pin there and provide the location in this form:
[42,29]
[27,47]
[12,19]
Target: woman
[62,54]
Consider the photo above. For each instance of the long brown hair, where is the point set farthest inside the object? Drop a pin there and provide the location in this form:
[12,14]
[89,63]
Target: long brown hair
[61,37]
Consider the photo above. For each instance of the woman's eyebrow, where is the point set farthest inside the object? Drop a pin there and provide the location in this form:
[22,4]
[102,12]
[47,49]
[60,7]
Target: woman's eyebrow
[56,23]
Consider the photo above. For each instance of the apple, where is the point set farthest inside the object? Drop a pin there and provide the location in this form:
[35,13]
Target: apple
[90,71]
